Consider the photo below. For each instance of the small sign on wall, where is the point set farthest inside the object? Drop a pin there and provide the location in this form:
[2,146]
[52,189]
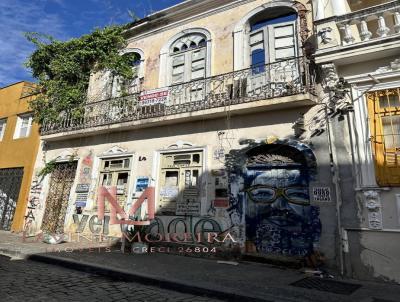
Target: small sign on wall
[82,188]
[219,153]
[189,208]
[81,197]
[141,184]
[322,194]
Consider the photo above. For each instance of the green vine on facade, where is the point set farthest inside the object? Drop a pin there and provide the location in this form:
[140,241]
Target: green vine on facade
[48,168]
[51,165]
[63,68]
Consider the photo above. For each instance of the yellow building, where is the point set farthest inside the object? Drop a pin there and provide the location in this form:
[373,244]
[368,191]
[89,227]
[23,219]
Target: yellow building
[19,141]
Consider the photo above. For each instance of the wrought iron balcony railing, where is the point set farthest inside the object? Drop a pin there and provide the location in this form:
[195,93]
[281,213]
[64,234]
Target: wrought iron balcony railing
[278,79]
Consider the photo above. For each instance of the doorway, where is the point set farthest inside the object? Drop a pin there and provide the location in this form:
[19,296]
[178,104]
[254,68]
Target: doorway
[61,181]
[10,184]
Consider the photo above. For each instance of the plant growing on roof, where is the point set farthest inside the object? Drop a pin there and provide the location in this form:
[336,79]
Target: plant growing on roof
[63,69]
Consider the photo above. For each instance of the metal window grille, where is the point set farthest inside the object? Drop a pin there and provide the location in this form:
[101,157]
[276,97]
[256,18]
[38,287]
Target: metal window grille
[384,111]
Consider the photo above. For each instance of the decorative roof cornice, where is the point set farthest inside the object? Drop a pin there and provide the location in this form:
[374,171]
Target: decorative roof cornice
[176,15]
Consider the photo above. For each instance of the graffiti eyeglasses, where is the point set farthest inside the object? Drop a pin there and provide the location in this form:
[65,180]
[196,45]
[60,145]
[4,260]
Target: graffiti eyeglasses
[267,194]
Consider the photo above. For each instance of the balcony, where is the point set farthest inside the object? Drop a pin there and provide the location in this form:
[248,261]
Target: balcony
[285,83]
[361,32]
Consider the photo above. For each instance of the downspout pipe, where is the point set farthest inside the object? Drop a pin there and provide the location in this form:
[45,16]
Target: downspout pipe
[336,182]
[317,5]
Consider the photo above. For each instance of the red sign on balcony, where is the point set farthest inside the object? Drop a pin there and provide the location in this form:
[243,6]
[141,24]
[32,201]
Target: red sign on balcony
[152,97]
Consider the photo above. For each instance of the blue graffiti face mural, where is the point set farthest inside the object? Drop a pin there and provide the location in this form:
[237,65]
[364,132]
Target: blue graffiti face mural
[279,217]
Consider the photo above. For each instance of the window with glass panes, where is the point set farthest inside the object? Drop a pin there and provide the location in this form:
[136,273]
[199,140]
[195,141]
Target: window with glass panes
[3,123]
[115,172]
[384,118]
[179,180]
[23,127]
[272,39]
[188,58]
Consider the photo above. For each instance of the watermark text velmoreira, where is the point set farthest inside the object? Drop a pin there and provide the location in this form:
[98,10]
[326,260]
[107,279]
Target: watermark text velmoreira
[205,239]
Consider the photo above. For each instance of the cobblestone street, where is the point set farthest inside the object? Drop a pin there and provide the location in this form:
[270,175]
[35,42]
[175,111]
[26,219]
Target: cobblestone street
[31,281]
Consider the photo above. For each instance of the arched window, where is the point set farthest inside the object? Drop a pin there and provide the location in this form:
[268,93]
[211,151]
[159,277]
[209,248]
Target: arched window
[188,56]
[269,33]
[266,40]
[120,85]
[272,37]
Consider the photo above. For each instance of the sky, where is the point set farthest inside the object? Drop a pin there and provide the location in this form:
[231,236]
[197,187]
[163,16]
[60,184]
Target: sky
[63,19]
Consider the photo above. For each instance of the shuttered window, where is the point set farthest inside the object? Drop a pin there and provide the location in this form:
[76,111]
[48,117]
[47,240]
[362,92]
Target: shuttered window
[384,116]
[271,40]
[188,58]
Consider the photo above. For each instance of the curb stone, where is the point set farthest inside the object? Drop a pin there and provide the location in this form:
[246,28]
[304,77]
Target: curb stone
[13,254]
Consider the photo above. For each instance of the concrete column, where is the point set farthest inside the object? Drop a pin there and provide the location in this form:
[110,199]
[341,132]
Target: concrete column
[339,7]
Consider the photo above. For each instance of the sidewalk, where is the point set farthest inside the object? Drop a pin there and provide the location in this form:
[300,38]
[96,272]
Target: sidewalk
[242,282]
[15,246]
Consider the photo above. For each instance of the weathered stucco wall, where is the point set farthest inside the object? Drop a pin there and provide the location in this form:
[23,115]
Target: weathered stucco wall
[21,152]
[210,136]
[369,212]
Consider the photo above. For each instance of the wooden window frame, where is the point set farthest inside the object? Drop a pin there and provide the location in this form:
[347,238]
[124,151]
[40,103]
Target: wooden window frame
[169,162]
[387,160]
[114,172]
[189,60]
[269,39]
[3,123]
[18,128]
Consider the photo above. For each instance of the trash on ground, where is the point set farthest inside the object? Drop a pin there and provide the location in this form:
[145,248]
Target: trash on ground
[54,239]
[228,262]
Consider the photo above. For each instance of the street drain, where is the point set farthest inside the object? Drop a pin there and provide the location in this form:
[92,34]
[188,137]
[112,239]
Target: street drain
[327,285]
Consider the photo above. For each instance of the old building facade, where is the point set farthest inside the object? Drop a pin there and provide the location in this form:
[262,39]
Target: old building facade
[228,119]
[19,142]
[358,51]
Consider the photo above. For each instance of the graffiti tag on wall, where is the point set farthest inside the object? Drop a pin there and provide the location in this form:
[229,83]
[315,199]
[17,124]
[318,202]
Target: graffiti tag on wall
[33,203]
